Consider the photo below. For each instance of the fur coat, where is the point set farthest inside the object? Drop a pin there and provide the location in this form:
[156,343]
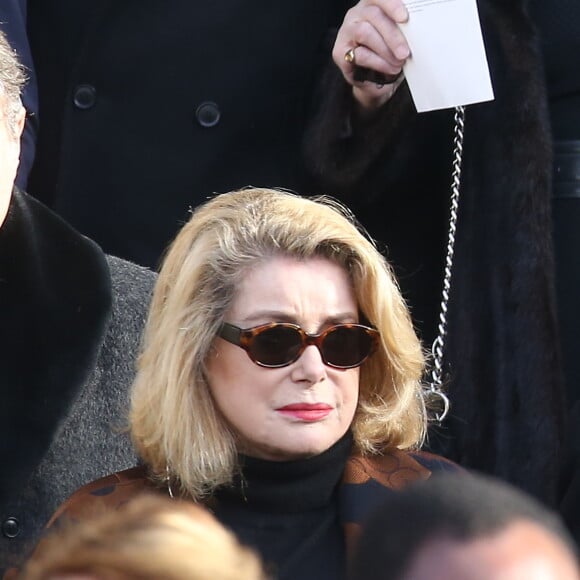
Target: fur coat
[71,322]
[394,170]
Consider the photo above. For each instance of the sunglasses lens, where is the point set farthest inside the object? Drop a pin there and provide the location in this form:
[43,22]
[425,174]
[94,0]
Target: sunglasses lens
[276,346]
[347,346]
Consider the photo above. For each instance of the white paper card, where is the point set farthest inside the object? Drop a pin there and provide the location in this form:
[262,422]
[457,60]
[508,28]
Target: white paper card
[448,66]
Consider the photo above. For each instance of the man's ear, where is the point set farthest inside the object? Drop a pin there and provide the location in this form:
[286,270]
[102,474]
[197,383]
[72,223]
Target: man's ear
[20,120]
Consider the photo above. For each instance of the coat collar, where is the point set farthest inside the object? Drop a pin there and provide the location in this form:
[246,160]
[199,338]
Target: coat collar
[55,302]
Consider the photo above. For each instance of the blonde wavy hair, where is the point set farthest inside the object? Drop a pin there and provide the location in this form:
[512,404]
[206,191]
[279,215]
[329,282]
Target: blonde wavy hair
[174,422]
[150,537]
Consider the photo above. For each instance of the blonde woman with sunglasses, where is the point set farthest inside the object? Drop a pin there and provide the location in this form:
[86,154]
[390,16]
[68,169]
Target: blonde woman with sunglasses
[279,382]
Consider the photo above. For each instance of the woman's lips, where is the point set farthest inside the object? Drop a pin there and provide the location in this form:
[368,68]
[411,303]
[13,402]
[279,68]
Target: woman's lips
[306,412]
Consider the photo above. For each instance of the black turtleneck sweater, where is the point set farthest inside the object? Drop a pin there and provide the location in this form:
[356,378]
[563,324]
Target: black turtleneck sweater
[288,512]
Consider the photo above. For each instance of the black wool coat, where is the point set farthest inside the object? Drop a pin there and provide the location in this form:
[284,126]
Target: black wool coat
[71,325]
[147,108]
[503,356]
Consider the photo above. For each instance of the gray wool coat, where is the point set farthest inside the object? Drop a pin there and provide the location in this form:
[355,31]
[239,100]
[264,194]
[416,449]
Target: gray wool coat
[71,320]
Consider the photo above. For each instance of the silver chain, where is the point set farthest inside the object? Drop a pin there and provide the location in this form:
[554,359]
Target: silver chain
[436,388]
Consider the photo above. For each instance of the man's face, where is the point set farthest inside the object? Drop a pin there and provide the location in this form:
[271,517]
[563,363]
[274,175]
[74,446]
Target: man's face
[521,551]
[9,156]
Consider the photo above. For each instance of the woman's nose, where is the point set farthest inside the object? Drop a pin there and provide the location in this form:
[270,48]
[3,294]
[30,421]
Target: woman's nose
[310,367]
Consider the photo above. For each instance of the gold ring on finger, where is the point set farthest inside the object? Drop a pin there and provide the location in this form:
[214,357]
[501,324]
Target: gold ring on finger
[349,56]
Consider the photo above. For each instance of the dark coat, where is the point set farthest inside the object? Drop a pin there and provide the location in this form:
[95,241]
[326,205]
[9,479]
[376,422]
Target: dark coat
[71,322]
[147,108]
[503,352]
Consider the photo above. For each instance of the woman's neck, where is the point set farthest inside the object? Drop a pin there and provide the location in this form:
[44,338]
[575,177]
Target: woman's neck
[288,486]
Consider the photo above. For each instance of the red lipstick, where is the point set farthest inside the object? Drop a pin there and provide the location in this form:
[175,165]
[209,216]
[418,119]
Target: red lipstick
[306,412]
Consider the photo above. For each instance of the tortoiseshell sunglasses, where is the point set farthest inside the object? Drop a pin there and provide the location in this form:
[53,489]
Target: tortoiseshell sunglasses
[279,344]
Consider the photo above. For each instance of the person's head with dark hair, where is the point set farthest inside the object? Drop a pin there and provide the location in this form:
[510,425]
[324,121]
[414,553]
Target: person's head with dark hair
[464,527]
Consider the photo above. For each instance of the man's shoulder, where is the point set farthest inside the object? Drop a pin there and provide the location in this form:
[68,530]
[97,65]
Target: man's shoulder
[131,289]
[131,286]
[128,274]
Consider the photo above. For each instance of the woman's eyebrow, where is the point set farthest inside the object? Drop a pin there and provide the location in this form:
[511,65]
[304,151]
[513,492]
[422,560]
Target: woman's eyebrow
[281,316]
[342,317]
[268,315]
